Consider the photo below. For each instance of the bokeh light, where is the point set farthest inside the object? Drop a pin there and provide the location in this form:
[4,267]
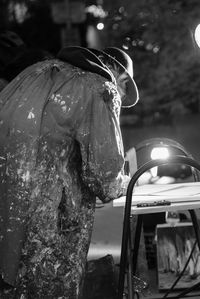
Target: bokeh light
[100,26]
[197,35]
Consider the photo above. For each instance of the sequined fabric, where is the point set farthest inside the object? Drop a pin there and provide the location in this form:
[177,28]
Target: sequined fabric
[60,148]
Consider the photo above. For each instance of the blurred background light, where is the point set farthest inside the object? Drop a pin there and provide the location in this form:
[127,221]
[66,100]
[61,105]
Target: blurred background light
[197,35]
[100,26]
[97,11]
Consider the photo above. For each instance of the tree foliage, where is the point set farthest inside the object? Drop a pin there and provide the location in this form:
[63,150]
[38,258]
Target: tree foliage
[158,35]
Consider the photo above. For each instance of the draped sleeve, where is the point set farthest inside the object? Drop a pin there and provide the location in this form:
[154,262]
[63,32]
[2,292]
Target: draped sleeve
[100,141]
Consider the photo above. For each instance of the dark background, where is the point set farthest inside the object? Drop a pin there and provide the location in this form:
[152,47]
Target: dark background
[158,35]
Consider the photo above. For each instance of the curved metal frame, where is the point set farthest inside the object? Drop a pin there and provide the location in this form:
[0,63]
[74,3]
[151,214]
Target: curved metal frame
[126,225]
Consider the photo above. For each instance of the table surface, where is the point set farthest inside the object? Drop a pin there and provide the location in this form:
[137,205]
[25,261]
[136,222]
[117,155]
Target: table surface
[182,196]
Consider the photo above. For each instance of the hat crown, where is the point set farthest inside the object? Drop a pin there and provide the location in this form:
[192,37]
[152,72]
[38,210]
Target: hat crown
[122,57]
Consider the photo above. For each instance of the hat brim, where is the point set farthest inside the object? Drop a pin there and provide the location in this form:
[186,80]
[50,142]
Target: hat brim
[132,94]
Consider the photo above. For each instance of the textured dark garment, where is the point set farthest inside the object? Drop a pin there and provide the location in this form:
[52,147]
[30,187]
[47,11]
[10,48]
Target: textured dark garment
[59,130]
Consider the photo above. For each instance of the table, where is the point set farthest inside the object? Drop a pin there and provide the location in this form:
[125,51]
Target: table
[182,196]
[179,197]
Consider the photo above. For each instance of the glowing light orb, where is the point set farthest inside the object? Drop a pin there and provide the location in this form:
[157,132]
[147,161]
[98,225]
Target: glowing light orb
[100,26]
[197,35]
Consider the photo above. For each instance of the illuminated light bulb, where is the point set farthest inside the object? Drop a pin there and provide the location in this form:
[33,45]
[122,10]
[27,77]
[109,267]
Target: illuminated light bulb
[159,153]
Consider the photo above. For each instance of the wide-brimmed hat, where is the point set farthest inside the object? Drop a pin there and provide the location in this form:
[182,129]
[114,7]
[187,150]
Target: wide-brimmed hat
[94,60]
[124,62]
